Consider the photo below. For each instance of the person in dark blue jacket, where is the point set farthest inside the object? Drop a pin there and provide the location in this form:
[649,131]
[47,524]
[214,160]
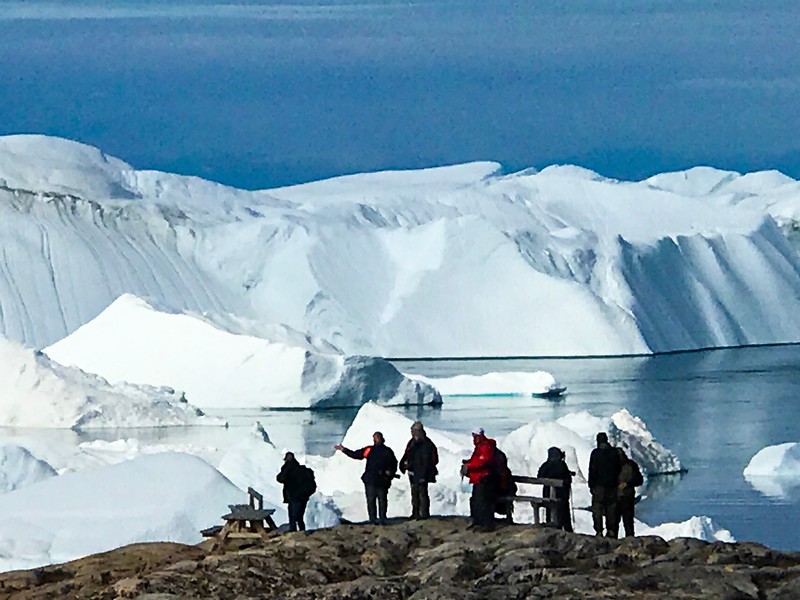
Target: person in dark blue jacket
[378,474]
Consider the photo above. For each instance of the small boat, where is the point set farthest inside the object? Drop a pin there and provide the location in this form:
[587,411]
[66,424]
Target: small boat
[555,392]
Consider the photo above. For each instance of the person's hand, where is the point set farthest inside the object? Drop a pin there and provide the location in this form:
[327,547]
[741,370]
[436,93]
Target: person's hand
[338,447]
[464,470]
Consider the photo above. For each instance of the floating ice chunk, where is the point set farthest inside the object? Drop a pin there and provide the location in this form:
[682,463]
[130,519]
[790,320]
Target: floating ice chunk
[782,460]
[775,471]
[631,433]
[701,527]
[495,384]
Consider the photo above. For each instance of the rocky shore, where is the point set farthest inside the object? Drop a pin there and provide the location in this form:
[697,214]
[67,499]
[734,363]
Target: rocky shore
[417,560]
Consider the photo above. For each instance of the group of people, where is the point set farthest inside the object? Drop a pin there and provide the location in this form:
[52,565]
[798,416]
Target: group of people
[613,477]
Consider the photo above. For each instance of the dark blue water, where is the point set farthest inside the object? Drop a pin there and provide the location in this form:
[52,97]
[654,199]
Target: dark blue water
[714,409]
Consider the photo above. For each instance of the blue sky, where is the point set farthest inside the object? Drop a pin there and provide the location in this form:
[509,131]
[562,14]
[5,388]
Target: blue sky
[260,94]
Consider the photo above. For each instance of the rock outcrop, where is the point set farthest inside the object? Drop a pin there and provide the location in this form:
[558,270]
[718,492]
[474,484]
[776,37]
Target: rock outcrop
[434,559]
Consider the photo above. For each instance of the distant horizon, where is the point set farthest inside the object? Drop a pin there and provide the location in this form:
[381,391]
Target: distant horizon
[263,93]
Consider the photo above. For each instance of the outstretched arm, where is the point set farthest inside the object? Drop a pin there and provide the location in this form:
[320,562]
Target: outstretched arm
[354,454]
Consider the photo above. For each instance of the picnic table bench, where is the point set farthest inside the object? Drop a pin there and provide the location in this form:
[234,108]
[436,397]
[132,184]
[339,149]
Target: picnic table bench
[536,502]
[244,521]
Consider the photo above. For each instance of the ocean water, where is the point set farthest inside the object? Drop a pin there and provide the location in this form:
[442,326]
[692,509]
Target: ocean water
[715,409]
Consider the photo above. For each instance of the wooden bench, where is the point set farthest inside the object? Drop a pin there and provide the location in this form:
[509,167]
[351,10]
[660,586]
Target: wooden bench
[244,521]
[536,502]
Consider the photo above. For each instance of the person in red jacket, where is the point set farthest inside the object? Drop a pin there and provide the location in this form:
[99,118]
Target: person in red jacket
[479,469]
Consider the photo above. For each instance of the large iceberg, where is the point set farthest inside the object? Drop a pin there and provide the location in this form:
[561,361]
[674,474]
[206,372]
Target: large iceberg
[36,391]
[220,363]
[454,261]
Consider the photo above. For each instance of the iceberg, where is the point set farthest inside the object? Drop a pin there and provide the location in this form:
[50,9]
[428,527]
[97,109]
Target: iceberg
[219,364]
[160,497]
[451,261]
[775,470]
[537,383]
[36,391]
[20,468]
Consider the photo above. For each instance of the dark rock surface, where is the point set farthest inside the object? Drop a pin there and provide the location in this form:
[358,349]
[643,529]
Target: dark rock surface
[418,560]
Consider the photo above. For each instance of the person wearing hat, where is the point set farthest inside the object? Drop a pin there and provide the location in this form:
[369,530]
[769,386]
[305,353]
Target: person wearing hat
[556,468]
[479,469]
[420,460]
[378,474]
[604,469]
[298,486]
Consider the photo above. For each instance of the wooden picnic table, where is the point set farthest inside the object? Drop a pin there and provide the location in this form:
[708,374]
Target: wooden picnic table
[244,521]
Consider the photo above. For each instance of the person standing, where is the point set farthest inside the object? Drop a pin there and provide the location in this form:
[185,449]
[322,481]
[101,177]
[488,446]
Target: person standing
[604,468]
[298,486]
[378,474]
[479,469]
[629,478]
[420,460]
[555,467]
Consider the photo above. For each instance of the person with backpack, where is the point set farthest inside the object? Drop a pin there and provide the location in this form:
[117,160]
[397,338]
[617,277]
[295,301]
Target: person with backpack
[480,469]
[604,468]
[298,486]
[555,467]
[378,474]
[420,460]
[630,477]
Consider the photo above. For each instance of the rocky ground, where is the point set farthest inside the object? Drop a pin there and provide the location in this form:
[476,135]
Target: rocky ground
[433,559]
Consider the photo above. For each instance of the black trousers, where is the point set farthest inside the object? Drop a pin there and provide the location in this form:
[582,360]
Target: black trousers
[625,510]
[559,515]
[420,501]
[377,500]
[481,503]
[297,510]
[604,506]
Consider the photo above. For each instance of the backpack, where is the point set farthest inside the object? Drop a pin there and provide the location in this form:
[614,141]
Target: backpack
[306,483]
[636,479]
[502,474]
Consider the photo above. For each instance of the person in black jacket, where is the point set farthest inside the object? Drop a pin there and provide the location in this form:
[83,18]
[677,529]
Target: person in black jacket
[420,460]
[378,474]
[295,490]
[629,478]
[556,468]
[604,468]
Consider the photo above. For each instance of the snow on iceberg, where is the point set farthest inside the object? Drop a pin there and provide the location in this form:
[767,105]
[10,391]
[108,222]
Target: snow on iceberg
[35,391]
[20,468]
[631,434]
[700,258]
[161,497]
[536,383]
[219,365]
[775,470]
